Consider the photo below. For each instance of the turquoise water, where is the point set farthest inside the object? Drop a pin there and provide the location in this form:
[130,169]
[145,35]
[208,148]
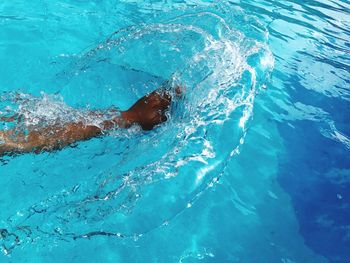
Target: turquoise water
[252,166]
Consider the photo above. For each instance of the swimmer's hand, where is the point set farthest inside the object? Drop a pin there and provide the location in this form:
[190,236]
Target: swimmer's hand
[148,111]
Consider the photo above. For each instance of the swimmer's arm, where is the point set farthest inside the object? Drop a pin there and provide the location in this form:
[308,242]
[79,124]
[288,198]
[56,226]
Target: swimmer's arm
[45,139]
[73,132]
[57,137]
[147,112]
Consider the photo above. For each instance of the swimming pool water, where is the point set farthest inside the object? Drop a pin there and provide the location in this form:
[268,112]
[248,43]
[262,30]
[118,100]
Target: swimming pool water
[252,166]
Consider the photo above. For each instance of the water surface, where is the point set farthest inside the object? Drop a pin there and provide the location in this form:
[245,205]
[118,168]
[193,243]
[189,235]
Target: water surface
[252,166]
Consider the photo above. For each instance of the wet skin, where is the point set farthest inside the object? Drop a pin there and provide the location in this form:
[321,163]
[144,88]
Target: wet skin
[147,112]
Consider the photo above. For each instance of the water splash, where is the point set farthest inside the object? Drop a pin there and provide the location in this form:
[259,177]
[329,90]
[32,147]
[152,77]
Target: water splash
[221,71]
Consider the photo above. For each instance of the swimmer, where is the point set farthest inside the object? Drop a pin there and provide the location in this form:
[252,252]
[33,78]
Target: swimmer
[147,112]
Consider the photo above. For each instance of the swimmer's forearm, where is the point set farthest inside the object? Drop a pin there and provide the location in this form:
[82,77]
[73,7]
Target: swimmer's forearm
[46,139]
[58,137]
[148,112]
[74,132]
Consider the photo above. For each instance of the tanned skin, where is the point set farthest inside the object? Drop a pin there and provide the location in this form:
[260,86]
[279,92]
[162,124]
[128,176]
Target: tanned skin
[147,112]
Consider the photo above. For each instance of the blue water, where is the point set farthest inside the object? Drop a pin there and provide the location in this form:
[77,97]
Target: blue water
[253,164]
